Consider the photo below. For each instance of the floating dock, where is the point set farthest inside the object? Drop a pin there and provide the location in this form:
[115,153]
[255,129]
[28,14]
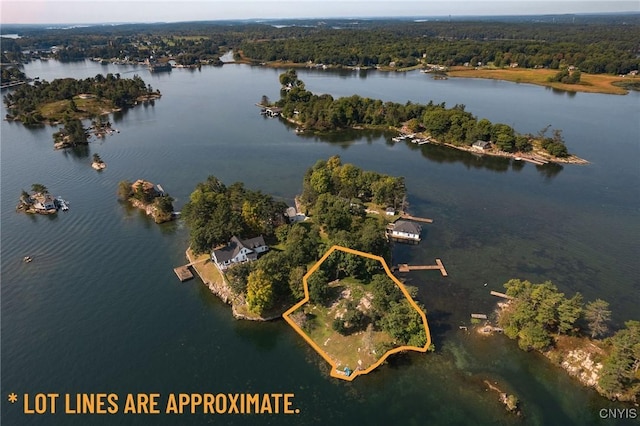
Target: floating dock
[415,218]
[479,316]
[403,267]
[183,273]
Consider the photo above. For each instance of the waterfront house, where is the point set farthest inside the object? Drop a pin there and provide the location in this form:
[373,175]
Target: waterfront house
[293,215]
[403,230]
[238,251]
[481,145]
[390,211]
[45,202]
[273,111]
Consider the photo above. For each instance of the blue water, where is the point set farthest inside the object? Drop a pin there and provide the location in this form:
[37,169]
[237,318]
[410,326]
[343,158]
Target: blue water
[100,309]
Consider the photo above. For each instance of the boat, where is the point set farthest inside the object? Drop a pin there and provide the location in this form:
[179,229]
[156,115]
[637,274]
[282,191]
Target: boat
[27,259]
[64,205]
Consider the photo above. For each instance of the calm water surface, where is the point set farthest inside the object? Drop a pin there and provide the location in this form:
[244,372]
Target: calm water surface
[100,309]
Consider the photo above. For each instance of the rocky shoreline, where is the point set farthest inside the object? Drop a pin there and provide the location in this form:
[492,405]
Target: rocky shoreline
[218,286]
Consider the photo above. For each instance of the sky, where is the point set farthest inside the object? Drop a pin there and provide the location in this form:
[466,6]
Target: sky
[118,11]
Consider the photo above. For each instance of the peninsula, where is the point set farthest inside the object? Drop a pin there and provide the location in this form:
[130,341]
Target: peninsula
[431,123]
[263,248]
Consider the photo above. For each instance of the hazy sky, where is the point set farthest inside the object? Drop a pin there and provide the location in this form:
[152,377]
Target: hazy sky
[96,11]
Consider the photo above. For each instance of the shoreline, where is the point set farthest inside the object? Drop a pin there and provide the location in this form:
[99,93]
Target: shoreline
[590,83]
[211,276]
[536,157]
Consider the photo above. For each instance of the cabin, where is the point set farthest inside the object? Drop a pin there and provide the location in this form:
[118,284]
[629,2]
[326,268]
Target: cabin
[238,251]
[390,211]
[481,145]
[293,215]
[405,231]
[45,202]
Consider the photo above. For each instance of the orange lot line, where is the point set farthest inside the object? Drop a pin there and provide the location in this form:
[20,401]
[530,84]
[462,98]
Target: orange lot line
[334,370]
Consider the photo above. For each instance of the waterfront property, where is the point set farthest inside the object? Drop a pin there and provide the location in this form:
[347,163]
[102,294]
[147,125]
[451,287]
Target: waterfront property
[238,251]
[404,231]
[45,202]
[481,145]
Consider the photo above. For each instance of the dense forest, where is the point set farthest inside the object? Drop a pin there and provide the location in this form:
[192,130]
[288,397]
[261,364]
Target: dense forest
[450,125]
[215,212]
[540,314]
[25,103]
[595,44]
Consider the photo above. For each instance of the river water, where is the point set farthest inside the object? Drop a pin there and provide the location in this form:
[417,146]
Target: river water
[100,310]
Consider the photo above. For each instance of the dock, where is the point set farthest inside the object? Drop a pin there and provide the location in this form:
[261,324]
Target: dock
[403,267]
[415,218]
[184,272]
[504,296]
[479,316]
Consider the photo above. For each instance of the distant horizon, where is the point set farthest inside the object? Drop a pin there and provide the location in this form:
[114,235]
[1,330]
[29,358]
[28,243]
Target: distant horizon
[416,18]
[114,12]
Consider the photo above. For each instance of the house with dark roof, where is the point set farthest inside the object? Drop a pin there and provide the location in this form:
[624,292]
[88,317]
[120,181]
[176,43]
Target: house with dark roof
[481,145]
[405,231]
[238,251]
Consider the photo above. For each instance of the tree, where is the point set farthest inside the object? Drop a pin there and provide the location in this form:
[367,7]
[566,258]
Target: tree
[319,291]
[124,190]
[259,292]
[296,286]
[598,315]
[39,188]
[620,376]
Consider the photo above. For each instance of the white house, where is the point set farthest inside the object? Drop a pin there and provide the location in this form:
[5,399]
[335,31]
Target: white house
[239,251]
[404,230]
[293,215]
[390,211]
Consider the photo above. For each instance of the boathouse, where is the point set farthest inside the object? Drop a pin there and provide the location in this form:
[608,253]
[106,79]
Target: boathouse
[273,112]
[481,145]
[405,231]
[238,251]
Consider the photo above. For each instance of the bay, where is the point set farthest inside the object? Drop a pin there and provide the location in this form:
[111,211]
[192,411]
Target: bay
[100,309]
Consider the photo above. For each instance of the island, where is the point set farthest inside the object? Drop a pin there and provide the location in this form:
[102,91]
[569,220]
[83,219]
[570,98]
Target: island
[573,335]
[67,100]
[97,162]
[40,201]
[430,123]
[144,195]
[262,248]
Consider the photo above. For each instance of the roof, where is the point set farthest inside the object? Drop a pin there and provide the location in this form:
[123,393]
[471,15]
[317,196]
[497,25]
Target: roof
[291,212]
[407,227]
[482,144]
[232,249]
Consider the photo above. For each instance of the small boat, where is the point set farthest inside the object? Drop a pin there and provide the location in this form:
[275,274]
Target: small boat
[27,259]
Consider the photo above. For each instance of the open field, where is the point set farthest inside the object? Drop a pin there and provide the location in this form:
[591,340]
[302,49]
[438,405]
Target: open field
[591,83]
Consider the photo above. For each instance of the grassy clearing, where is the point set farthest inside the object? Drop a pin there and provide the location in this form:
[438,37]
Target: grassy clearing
[354,350]
[591,83]
[86,108]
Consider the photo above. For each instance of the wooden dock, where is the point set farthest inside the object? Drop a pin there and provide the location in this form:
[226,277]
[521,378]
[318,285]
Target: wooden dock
[184,272]
[403,267]
[504,296]
[479,316]
[415,218]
